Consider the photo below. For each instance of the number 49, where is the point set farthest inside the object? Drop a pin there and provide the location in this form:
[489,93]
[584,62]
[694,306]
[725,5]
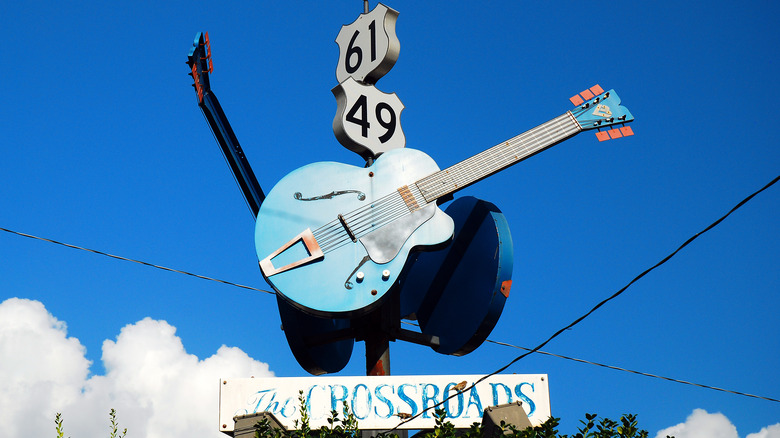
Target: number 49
[382,109]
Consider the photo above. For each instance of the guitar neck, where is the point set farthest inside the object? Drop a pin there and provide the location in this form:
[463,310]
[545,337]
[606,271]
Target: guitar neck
[499,157]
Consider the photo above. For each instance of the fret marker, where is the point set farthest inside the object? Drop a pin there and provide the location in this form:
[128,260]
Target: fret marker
[408,197]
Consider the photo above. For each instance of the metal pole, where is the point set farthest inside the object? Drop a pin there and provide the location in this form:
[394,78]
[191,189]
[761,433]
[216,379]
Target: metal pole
[377,355]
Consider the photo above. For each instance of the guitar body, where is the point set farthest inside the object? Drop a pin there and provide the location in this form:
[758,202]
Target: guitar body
[333,238]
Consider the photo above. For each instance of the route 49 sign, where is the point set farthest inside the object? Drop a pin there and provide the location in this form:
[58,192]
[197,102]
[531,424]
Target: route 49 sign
[368,121]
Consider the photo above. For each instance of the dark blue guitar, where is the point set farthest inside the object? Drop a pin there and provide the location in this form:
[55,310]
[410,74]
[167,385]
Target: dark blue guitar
[333,238]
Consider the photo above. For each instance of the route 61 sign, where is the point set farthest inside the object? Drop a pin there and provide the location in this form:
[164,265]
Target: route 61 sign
[368,47]
[368,121]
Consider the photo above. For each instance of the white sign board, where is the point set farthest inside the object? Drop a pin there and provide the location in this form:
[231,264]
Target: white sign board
[378,401]
[367,120]
[369,47]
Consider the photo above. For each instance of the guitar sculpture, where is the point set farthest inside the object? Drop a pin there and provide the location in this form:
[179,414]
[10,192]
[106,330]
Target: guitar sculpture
[333,238]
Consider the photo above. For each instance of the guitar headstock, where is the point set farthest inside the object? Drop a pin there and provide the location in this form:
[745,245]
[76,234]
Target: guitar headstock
[199,60]
[599,109]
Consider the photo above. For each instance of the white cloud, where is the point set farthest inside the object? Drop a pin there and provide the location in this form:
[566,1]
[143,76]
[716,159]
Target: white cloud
[702,424]
[157,388]
[772,431]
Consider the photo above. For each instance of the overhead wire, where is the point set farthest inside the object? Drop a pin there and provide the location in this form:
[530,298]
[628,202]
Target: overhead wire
[135,261]
[616,368]
[612,367]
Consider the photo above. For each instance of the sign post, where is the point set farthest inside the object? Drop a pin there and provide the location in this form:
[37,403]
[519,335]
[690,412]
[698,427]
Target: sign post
[367,122]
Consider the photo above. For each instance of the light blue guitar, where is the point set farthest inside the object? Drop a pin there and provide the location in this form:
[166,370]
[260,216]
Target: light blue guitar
[333,238]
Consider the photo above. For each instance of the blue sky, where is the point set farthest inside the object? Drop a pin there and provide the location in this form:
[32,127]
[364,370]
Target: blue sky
[104,147]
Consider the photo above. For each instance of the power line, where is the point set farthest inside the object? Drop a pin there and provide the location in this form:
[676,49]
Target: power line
[612,367]
[597,306]
[406,322]
[134,261]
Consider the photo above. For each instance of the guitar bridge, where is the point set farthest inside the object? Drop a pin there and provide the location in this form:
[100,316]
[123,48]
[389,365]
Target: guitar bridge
[312,248]
[347,229]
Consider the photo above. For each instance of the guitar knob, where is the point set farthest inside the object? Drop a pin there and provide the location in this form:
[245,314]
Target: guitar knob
[360,276]
[385,274]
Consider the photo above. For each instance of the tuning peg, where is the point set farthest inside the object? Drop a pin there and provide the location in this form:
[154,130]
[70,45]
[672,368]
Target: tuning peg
[209,63]
[596,89]
[625,131]
[588,94]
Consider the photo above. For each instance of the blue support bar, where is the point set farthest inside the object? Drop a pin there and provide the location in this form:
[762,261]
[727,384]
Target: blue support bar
[199,60]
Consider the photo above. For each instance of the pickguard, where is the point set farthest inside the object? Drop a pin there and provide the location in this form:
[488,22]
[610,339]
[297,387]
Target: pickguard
[385,243]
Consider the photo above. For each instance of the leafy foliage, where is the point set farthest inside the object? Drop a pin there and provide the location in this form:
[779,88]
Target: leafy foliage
[337,428]
[114,428]
[346,426]
[592,427]
[115,425]
[58,423]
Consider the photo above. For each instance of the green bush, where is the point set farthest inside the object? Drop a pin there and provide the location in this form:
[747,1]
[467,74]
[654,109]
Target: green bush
[347,427]
[592,427]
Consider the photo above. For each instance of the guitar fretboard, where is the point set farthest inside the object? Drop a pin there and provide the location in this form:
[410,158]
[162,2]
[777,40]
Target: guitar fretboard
[499,157]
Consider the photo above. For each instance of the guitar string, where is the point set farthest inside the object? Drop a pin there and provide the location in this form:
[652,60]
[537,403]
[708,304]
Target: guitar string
[336,239]
[340,233]
[484,160]
[487,159]
[371,224]
[506,154]
[327,230]
[380,217]
[593,121]
[392,206]
[398,208]
[367,220]
[322,237]
[390,203]
[380,213]
[337,227]
[374,215]
[503,154]
[373,218]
